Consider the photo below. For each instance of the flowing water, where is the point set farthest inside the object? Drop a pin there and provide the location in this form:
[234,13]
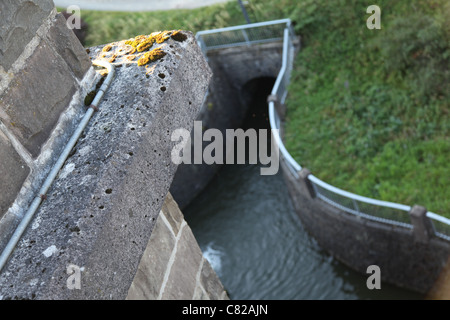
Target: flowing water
[246,226]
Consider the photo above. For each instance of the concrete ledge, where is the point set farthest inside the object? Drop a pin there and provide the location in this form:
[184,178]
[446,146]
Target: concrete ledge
[100,212]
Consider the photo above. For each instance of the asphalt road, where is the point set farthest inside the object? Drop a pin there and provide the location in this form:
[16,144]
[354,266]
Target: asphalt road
[135,5]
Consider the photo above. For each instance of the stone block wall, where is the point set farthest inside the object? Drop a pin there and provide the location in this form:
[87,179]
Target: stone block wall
[44,75]
[172,266]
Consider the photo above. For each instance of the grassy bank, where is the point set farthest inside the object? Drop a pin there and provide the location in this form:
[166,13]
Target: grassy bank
[367,109]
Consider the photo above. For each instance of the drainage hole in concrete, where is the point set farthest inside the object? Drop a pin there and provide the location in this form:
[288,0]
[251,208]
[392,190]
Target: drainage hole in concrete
[108,191]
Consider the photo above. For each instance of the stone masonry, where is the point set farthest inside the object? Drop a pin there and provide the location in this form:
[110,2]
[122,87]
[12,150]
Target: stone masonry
[173,266]
[44,74]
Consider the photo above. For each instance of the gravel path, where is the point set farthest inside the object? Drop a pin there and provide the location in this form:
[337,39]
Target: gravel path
[136,5]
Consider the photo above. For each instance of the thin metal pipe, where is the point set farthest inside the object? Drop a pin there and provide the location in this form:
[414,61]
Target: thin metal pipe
[437,217]
[57,166]
[245,26]
[279,141]
[244,11]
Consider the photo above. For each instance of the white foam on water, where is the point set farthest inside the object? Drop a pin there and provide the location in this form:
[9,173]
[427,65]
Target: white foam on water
[214,258]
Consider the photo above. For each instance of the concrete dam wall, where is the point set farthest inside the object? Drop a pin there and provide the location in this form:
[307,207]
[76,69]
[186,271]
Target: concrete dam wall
[107,228]
[226,105]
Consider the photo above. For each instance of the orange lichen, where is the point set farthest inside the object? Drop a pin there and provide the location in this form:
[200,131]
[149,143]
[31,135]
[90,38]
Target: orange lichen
[136,41]
[112,58]
[162,36]
[107,48]
[151,56]
[145,44]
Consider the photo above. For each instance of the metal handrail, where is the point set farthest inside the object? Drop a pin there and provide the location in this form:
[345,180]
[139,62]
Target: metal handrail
[245,26]
[354,196]
[294,166]
[246,41]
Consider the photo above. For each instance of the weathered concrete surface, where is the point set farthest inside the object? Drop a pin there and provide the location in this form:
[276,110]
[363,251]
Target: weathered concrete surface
[100,212]
[403,259]
[13,172]
[20,20]
[173,266]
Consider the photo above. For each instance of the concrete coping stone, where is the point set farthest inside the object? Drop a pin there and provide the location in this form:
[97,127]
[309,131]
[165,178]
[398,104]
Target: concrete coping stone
[101,210]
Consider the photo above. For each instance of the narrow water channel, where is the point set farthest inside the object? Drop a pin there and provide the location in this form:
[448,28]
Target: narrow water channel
[247,228]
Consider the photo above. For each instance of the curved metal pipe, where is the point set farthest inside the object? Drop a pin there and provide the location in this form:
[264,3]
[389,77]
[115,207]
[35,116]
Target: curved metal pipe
[58,165]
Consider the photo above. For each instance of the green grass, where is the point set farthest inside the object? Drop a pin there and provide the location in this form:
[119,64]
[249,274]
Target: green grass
[105,27]
[367,109]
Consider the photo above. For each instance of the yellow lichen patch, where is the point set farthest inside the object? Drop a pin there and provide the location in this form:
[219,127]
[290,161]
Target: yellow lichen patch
[145,44]
[136,41]
[151,56]
[130,57]
[178,36]
[162,36]
[107,48]
[112,58]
